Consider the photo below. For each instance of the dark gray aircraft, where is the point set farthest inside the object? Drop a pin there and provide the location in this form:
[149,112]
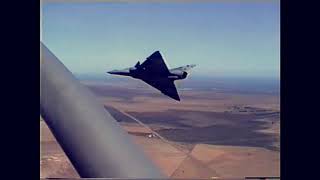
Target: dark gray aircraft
[155,72]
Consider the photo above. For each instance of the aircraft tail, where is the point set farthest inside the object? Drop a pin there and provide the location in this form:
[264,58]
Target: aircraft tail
[137,65]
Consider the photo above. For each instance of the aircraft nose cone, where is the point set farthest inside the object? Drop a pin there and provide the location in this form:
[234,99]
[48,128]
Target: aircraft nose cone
[112,72]
[120,72]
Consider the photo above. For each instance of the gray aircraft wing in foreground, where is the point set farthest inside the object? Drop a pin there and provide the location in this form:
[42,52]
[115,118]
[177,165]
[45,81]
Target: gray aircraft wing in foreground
[95,143]
[155,72]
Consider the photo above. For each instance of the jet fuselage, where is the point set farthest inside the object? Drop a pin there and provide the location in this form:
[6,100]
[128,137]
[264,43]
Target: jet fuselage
[141,73]
[154,72]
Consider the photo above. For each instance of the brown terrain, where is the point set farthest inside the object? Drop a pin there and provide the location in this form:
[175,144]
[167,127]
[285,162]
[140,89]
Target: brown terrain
[53,161]
[209,134]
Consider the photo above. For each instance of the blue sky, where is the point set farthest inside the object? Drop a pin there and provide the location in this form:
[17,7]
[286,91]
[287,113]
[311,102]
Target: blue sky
[223,39]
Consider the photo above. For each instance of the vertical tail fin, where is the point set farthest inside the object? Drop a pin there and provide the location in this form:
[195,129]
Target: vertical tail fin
[137,65]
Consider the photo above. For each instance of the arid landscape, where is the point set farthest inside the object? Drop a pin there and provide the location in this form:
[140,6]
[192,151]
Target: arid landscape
[215,131]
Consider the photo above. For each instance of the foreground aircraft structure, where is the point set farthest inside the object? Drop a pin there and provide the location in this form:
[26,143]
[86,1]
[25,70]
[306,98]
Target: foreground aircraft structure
[94,142]
[155,72]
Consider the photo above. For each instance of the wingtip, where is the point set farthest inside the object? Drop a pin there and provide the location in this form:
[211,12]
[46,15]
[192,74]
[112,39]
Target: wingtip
[176,98]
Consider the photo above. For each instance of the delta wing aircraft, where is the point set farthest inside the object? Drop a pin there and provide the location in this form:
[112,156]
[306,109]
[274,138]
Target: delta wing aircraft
[155,72]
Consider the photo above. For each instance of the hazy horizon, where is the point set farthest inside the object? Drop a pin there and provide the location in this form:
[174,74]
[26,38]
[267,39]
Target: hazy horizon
[197,82]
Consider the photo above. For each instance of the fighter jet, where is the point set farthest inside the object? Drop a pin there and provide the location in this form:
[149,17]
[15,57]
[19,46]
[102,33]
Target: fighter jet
[155,72]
